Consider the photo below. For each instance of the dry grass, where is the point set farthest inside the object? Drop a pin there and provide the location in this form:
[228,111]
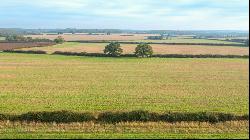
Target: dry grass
[158,49]
[126,130]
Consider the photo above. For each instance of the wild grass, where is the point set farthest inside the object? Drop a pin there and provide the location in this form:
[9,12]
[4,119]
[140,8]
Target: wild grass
[231,129]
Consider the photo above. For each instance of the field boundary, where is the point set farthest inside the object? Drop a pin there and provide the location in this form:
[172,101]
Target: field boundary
[116,117]
[123,42]
[155,55]
[127,55]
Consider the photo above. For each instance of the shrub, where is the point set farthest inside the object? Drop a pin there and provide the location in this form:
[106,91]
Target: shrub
[113,49]
[58,117]
[143,50]
[59,40]
[127,116]
[3,117]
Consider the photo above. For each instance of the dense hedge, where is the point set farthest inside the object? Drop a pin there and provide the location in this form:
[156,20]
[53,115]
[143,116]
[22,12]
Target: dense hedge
[89,54]
[199,56]
[115,117]
[156,55]
[23,51]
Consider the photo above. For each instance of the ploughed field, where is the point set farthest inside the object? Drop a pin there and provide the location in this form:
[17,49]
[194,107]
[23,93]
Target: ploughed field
[157,48]
[17,45]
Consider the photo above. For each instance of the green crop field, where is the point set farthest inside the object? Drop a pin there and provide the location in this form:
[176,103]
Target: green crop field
[46,83]
[157,48]
[90,84]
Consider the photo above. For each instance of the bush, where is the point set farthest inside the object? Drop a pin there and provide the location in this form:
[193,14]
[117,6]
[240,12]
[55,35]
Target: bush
[142,116]
[143,50]
[59,40]
[113,49]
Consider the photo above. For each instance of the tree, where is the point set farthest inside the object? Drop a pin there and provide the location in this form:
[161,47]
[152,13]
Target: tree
[113,49]
[143,50]
[59,40]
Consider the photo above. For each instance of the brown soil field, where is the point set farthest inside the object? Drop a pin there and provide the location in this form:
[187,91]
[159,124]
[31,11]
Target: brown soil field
[158,49]
[85,37]
[17,45]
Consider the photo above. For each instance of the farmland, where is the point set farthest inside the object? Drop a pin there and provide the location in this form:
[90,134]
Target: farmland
[16,45]
[36,88]
[109,84]
[158,49]
[132,38]
[123,84]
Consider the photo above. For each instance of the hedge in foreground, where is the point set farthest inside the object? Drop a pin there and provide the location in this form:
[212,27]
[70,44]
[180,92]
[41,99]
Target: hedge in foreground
[27,52]
[115,117]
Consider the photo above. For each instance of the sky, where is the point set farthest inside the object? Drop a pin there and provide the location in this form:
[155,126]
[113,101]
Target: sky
[126,14]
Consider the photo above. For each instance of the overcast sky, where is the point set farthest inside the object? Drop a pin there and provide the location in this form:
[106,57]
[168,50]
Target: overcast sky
[126,14]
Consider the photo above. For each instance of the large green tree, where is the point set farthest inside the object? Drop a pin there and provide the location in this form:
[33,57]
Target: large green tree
[113,49]
[143,50]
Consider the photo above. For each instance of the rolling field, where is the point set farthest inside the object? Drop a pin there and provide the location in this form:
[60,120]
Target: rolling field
[134,38]
[158,49]
[50,83]
[39,83]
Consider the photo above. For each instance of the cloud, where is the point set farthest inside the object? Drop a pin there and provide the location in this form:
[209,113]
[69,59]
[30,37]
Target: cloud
[150,14]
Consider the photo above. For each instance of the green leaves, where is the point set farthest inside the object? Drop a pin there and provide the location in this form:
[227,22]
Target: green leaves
[113,49]
[143,50]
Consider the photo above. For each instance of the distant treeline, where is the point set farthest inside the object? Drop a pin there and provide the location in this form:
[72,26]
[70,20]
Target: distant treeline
[20,38]
[204,33]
